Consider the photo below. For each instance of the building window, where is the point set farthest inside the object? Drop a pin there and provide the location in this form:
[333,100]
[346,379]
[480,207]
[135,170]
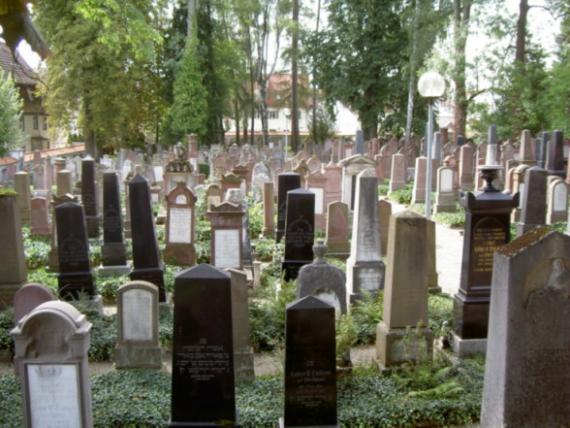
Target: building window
[36,122]
[23,122]
[273,114]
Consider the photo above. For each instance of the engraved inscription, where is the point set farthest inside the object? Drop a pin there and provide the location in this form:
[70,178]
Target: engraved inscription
[137,315]
[180,226]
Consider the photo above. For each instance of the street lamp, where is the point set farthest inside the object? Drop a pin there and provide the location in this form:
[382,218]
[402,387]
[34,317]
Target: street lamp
[431,85]
[18,154]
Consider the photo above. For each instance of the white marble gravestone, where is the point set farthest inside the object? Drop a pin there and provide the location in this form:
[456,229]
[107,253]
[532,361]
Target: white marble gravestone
[445,196]
[51,345]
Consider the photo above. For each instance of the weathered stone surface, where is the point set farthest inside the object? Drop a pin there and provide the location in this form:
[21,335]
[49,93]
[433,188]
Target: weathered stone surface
[113,252]
[527,370]
[398,174]
[286,182]
[351,167]
[89,196]
[403,334]
[180,226]
[557,201]
[22,187]
[40,216]
[533,212]
[268,210]
[227,235]
[337,230]
[28,297]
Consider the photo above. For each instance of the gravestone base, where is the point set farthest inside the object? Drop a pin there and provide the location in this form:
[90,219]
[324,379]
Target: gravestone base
[338,250]
[154,276]
[180,254]
[243,366]
[113,254]
[365,277]
[72,286]
[113,270]
[395,346]
[282,425]
[92,226]
[224,424]
[465,348]
[131,357]
[443,208]
[7,292]
[523,228]
[290,268]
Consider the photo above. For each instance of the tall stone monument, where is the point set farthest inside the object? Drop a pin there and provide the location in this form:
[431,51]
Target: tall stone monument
[286,182]
[89,196]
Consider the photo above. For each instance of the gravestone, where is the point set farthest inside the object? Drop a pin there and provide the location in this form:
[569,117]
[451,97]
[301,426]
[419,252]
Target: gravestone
[333,190]
[542,149]
[231,181]
[202,365]
[364,268]
[22,187]
[88,196]
[180,226]
[403,335]
[431,258]
[227,235]
[243,351]
[518,187]
[299,232]
[147,265]
[487,228]
[398,174]
[137,321]
[351,167]
[53,257]
[40,216]
[337,230]
[533,212]
[445,196]
[317,183]
[28,297]
[555,154]
[268,210]
[526,151]
[322,280]
[359,142]
[113,252]
[51,345]
[527,369]
[466,167]
[13,272]
[75,278]
[178,170]
[419,189]
[64,182]
[286,182]
[557,197]
[213,195]
[310,365]
[384,214]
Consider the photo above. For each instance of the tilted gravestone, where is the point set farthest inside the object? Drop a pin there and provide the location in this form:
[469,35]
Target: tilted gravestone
[180,226]
[113,252]
[310,365]
[286,182]
[299,232]
[203,383]
[147,265]
[403,334]
[137,321]
[51,345]
[88,196]
[75,279]
[527,369]
[13,272]
[364,267]
[28,297]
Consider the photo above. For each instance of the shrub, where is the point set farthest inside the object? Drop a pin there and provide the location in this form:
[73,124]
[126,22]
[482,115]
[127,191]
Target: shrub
[403,195]
[367,313]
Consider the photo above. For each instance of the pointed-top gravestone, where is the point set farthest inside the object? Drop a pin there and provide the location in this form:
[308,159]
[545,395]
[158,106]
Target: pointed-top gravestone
[528,362]
[202,358]
[147,265]
[89,196]
[286,182]
[555,154]
[541,149]
[310,365]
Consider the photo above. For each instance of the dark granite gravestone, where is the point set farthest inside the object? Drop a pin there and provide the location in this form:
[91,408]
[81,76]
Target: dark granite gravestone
[202,358]
[89,196]
[555,154]
[75,276]
[533,212]
[310,365]
[299,232]
[146,258]
[286,182]
[527,368]
[113,253]
[487,227]
[541,148]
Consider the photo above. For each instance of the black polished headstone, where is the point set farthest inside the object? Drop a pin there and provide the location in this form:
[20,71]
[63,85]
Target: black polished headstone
[299,232]
[146,257]
[310,364]
[286,182]
[75,278]
[113,249]
[203,390]
[555,154]
[89,196]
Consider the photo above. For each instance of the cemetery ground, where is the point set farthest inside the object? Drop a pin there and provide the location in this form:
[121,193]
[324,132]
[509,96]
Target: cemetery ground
[443,392]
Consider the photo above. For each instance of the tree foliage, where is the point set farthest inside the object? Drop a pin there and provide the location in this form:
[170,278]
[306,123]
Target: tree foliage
[10,112]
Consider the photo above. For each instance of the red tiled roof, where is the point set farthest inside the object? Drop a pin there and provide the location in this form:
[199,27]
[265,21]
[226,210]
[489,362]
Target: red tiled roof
[20,71]
[8,160]
[59,151]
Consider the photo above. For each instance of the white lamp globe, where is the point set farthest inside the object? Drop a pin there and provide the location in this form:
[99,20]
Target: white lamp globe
[431,85]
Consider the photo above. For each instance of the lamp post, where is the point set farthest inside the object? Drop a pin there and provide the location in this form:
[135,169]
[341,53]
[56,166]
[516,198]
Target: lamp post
[18,154]
[431,85]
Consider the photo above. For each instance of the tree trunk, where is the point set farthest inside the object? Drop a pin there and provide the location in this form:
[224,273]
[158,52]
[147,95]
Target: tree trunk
[236,115]
[461,15]
[413,70]
[294,79]
[520,54]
